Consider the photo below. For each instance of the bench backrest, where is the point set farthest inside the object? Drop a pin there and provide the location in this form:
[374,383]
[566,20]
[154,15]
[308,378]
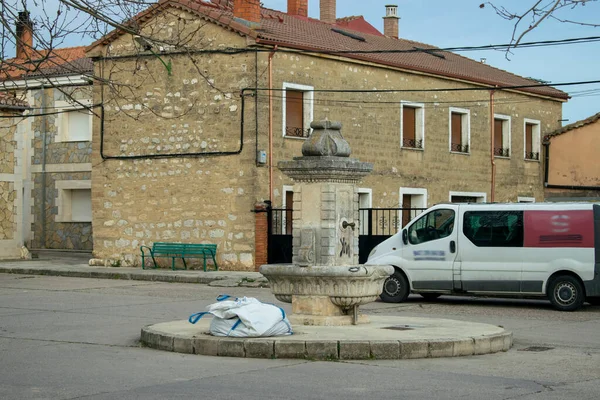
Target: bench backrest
[183,248]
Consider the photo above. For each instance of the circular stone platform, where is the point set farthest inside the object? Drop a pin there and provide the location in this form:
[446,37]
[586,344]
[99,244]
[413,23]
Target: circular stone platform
[384,338]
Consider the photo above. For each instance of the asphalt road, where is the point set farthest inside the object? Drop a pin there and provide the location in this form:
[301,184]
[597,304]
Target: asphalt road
[72,338]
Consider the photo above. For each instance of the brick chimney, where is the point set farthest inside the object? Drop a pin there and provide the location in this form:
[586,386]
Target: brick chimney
[247,12]
[297,7]
[327,9]
[24,37]
[390,21]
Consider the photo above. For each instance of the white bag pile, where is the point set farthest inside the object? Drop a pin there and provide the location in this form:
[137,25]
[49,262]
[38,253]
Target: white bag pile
[245,317]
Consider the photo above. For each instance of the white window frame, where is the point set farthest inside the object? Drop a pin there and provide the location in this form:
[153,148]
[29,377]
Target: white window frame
[419,123]
[369,196]
[506,132]
[466,128]
[521,199]
[63,201]
[308,100]
[535,138]
[481,196]
[285,189]
[62,121]
[414,192]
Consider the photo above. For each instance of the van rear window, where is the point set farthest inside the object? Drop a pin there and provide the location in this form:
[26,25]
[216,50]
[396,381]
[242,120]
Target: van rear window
[494,228]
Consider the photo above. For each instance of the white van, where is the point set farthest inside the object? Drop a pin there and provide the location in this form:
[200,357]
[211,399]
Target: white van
[515,250]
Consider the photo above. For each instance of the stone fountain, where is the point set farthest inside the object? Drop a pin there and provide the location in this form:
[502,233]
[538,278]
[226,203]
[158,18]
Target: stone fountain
[325,283]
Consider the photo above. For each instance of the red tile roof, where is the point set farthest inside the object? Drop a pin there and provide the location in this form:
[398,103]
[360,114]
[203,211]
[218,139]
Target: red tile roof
[8,101]
[57,62]
[574,125]
[279,28]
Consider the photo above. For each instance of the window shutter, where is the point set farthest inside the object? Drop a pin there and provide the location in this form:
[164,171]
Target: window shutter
[294,112]
[456,129]
[408,123]
[498,134]
[528,139]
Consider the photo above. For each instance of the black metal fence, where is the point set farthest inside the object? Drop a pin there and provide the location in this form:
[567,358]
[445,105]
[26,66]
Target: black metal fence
[375,225]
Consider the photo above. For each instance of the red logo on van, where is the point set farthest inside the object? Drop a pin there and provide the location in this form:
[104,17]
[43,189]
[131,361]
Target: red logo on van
[559,228]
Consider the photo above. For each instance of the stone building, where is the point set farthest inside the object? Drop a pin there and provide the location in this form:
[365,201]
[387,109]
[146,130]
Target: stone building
[11,111]
[227,89]
[572,172]
[52,144]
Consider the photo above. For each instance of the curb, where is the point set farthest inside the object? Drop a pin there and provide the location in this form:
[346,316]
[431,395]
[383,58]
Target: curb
[328,350]
[114,273]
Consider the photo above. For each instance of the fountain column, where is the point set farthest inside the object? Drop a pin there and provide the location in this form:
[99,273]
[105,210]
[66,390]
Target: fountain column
[324,283]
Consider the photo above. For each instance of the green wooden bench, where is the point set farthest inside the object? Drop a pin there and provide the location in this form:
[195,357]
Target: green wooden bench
[179,250]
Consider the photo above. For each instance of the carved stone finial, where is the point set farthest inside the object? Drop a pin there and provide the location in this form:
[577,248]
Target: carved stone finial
[326,140]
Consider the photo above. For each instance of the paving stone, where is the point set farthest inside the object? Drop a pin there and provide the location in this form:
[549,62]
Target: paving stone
[225,283]
[464,347]
[290,349]
[355,350]
[322,350]
[206,346]
[183,345]
[385,349]
[416,349]
[230,347]
[442,348]
[259,348]
[482,346]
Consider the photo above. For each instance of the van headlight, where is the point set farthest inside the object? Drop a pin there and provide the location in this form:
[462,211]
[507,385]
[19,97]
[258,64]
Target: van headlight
[372,253]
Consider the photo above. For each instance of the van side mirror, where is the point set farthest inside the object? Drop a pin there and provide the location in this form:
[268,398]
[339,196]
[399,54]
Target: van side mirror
[405,236]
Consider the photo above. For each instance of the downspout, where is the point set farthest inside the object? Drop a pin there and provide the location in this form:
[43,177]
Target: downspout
[44,144]
[270,84]
[546,160]
[492,158]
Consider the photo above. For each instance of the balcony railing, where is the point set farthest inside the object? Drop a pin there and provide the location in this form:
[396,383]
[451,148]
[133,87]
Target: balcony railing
[459,148]
[532,156]
[501,152]
[412,143]
[291,131]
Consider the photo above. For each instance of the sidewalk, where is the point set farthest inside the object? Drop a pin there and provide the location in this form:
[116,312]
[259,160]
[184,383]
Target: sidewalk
[76,265]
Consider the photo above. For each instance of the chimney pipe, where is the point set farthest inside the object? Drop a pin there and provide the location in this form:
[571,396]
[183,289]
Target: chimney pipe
[327,10]
[297,7]
[247,12]
[24,37]
[390,21]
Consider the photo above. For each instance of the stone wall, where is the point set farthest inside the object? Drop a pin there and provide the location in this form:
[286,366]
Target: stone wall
[64,161]
[9,248]
[188,195]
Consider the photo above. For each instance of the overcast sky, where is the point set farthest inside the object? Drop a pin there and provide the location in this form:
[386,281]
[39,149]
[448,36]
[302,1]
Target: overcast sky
[445,23]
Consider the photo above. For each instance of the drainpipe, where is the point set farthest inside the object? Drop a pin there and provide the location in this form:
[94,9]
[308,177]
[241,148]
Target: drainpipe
[492,159]
[270,84]
[44,127]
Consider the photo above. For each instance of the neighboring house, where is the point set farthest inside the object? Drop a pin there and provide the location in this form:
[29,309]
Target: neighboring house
[572,169]
[52,143]
[11,110]
[189,150]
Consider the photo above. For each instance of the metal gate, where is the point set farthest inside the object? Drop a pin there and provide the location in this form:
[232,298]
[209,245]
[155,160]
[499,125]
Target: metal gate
[279,235]
[376,225]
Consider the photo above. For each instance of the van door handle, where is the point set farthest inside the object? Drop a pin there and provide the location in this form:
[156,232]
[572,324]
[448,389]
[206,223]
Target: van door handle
[452,246]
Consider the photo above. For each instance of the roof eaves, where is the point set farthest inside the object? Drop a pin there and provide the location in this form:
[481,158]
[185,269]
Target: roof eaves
[574,125]
[360,57]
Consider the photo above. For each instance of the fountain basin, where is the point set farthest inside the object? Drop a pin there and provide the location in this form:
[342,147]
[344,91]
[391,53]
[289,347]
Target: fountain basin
[324,295]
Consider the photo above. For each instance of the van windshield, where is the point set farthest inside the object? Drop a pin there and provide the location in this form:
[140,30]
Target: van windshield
[431,226]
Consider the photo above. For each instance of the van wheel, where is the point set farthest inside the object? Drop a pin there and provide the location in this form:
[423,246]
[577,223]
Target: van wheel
[566,293]
[595,301]
[395,288]
[430,296]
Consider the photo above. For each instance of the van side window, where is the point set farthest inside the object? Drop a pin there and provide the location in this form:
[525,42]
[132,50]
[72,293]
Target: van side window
[494,228]
[434,225]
